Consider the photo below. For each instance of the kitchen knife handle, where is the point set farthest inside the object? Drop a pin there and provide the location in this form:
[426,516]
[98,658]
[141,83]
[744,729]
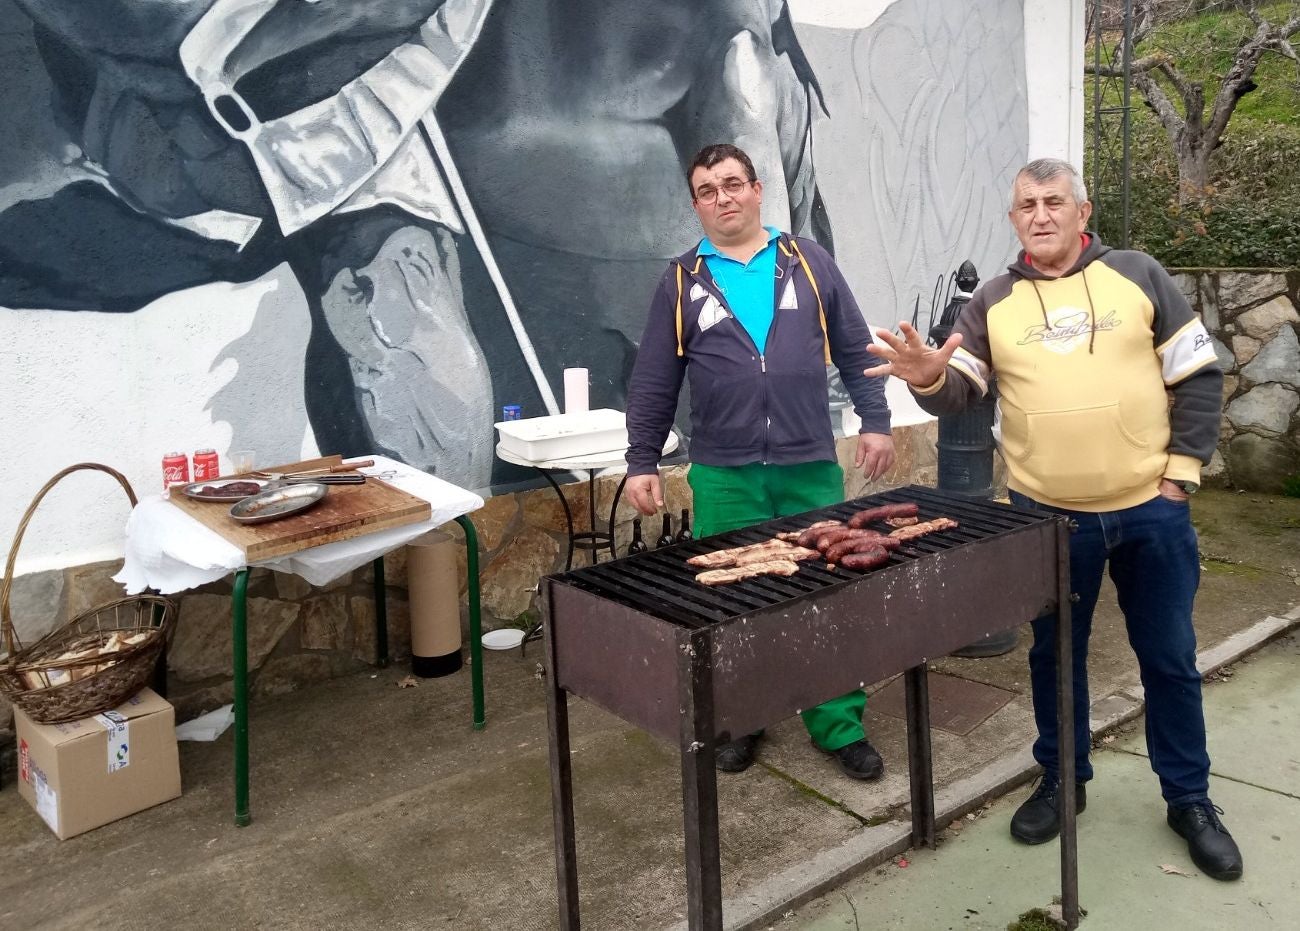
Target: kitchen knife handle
[353,466]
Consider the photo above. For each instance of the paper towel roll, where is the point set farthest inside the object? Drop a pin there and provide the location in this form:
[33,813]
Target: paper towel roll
[576,399]
[434,588]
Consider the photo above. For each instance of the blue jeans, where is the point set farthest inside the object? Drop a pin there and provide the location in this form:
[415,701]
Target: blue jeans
[1156,568]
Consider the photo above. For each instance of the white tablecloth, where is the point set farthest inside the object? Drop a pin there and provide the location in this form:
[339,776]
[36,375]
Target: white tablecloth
[170,551]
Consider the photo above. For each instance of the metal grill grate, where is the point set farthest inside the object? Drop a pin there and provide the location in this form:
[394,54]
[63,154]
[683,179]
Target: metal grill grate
[661,584]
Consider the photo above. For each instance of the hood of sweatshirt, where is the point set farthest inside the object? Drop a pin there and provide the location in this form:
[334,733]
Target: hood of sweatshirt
[1092,250]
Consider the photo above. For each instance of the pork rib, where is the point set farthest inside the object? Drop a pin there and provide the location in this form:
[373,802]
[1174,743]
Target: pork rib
[921,529]
[737,573]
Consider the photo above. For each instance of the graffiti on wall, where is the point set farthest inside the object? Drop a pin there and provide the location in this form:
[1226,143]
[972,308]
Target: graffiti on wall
[447,202]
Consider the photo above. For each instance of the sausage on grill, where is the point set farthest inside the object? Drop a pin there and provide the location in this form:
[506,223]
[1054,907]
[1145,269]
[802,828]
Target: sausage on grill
[866,559]
[885,511]
[865,533]
[861,544]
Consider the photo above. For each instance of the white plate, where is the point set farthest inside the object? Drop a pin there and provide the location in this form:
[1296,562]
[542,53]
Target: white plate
[505,638]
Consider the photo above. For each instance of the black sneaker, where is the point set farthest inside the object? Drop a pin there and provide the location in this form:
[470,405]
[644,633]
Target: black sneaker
[737,755]
[1037,820]
[1208,841]
[858,760]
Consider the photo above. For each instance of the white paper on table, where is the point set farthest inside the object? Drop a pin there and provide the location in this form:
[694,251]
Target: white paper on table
[170,551]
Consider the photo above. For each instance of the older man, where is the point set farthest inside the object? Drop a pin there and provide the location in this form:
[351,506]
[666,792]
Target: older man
[1087,343]
[755,316]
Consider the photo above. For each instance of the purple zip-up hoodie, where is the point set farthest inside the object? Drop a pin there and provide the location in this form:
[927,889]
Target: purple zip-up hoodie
[746,407]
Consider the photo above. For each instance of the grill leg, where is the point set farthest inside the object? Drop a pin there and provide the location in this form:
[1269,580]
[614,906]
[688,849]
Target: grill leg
[239,657]
[920,766]
[557,719]
[1065,730]
[699,785]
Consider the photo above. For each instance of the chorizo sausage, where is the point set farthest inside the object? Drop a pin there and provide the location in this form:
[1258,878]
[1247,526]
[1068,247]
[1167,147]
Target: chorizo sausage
[862,518]
[866,559]
[826,542]
[838,551]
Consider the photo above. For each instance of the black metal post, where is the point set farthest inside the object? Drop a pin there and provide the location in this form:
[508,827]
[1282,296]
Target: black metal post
[1065,728]
[920,764]
[699,783]
[557,720]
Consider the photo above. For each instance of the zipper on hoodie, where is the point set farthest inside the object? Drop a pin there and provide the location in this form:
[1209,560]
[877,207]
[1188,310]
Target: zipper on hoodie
[761,357]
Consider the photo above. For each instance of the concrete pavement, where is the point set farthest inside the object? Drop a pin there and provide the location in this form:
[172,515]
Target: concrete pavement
[1134,872]
[378,805]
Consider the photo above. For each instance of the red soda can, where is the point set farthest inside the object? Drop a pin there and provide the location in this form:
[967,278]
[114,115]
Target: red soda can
[176,469]
[206,465]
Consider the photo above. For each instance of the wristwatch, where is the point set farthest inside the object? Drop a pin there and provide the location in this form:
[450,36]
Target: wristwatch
[1188,488]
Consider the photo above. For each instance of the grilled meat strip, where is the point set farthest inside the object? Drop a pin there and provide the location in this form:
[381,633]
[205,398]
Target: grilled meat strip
[737,573]
[793,554]
[793,536]
[768,549]
[921,529]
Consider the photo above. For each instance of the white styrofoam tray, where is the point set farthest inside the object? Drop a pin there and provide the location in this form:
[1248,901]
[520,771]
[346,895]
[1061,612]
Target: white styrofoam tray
[563,435]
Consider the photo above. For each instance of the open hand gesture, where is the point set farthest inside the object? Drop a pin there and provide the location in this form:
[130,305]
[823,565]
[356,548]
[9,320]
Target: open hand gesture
[909,358]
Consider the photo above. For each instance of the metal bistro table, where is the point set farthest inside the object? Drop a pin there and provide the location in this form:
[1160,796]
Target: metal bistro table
[595,465]
[696,665]
[170,551]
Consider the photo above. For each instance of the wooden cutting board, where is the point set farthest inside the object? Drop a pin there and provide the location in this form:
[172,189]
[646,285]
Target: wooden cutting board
[347,511]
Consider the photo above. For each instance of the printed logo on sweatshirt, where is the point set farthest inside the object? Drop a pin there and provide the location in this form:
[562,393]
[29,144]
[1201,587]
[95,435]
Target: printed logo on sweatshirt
[789,301]
[1068,329]
[712,312]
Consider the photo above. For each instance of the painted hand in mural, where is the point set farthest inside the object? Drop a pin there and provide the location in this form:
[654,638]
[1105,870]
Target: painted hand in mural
[909,357]
[417,371]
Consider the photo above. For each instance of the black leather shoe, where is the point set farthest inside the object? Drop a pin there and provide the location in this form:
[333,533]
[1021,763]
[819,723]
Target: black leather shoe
[1037,820]
[737,755]
[1208,841]
[858,760]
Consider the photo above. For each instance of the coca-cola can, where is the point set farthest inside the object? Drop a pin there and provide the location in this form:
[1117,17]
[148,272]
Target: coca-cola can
[206,465]
[176,469]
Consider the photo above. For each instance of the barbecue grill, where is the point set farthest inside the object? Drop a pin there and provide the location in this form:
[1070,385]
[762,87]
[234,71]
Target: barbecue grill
[700,665]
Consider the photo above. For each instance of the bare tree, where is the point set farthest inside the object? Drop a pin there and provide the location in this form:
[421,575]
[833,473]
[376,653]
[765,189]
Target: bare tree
[1179,102]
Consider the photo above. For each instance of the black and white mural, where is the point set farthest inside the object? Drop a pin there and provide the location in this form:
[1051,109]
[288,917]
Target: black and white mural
[365,225]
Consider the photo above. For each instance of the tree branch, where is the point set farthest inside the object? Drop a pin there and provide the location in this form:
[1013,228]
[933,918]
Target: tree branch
[1139,64]
[1238,81]
[1159,101]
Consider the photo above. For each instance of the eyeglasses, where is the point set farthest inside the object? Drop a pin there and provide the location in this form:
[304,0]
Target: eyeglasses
[731,187]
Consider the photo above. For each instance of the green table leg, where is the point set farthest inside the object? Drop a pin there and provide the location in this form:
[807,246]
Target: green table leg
[475,620]
[239,649]
[381,616]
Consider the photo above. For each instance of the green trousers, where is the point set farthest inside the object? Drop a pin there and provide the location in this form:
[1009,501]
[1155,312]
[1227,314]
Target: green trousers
[727,498]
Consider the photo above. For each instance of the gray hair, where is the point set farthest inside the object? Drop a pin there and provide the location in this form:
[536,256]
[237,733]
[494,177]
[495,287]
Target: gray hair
[1045,169]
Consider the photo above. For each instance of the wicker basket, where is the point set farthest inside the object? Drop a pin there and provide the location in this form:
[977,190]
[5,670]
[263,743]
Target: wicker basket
[69,673]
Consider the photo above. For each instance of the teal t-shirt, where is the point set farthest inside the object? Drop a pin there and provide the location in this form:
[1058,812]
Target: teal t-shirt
[748,287]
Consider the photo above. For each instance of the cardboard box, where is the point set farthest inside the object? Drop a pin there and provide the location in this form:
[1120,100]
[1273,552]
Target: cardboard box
[86,773]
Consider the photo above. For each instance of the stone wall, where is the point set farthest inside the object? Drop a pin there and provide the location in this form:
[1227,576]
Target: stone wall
[1253,319]
[299,634]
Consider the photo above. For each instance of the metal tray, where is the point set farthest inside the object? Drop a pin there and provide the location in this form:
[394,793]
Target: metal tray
[192,490]
[278,502]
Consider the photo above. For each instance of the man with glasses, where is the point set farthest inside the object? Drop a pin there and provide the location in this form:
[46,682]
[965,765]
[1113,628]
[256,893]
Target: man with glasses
[754,316]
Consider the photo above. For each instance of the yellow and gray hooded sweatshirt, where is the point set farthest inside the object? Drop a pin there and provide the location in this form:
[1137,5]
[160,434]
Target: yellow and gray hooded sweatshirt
[1086,364]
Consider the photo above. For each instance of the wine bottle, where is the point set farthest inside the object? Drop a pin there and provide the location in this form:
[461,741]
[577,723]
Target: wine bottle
[684,534]
[638,542]
[666,538]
